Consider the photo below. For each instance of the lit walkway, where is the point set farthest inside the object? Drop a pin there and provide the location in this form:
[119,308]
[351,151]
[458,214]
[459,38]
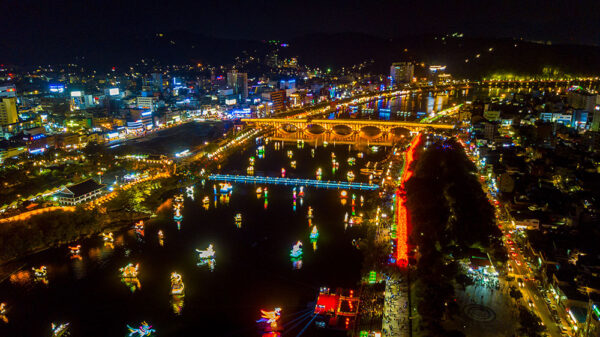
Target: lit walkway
[291,181]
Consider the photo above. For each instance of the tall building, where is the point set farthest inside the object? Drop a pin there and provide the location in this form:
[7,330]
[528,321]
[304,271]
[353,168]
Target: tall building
[242,85]
[8,111]
[596,119]
[157,81]
[278,100]
[401,72]
[579,98]
[145,103]
[239,83]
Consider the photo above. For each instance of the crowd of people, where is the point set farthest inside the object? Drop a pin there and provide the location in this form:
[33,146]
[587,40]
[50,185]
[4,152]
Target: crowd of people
[395,318]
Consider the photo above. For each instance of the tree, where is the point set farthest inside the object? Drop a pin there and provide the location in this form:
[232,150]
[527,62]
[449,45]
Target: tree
[515,293]
[531,325]
[506,183]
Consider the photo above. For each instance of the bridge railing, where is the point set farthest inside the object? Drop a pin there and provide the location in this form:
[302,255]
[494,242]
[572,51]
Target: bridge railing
[292,181]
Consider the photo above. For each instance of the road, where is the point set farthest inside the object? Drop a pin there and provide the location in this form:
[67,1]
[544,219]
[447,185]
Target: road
[520,270]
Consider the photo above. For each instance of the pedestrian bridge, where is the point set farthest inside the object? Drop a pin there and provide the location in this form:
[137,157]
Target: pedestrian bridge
[342,127]
[292,182]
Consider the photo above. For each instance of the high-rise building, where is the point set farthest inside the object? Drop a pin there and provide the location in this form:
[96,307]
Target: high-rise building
[579,98]
[596,119]
[401,72]
[157,81]
[278,100]
[239,83]
[242,85]
[8,111]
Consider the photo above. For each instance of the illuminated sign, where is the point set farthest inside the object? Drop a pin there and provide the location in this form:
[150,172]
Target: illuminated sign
[230,101]
[75,93]
[113,91]
[146,113]
[57,88]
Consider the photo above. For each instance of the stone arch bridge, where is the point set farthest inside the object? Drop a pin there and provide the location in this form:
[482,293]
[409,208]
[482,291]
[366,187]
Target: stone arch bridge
[342,127]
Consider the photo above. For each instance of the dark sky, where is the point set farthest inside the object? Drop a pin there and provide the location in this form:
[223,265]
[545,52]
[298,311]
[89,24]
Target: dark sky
[560,21]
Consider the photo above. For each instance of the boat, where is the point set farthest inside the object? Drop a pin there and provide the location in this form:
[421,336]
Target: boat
[293,164]
[108,237]
[177,216]
[296,251]
[75,250]
[145,330]
[301,192]
[161,238]
[177,286]
[130,271]
[314,234]
[259,190]
[225,188]
[270,319]
[139,228]
[351,161]
[343,194]
[178,199]
[319,173]
[310,212]
[208,253]
[290,154]
[250,170]
[206,200]
[40,272]
[59,330]
[3,312]
[350,175]
[238,220]
[282,172]
[207,257]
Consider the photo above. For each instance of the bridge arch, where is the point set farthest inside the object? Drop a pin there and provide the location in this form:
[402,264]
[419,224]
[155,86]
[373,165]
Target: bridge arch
[289,128]
[370,131]
[315,129]
[400,132]
[342,131]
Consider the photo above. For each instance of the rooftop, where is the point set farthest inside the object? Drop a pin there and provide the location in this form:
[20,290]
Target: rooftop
[82,188]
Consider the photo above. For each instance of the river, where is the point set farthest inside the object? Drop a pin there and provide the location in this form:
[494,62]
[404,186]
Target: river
[253,269]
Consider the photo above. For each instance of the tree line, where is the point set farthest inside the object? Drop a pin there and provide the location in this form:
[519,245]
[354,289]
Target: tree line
[450,214]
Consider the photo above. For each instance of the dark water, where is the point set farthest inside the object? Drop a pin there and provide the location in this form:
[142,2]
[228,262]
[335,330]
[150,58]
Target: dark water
[253,269]
[172,140]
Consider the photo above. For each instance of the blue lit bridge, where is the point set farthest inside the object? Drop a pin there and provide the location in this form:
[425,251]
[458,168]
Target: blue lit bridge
[292,181]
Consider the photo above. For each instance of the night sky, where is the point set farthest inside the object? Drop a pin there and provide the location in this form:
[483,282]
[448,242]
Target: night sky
[559,21]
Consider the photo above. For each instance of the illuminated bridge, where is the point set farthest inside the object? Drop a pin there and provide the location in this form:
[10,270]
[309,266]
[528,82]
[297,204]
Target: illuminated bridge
[341,127]
[292,182]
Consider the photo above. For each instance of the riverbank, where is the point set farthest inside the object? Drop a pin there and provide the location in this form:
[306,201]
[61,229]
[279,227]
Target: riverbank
[39,232]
